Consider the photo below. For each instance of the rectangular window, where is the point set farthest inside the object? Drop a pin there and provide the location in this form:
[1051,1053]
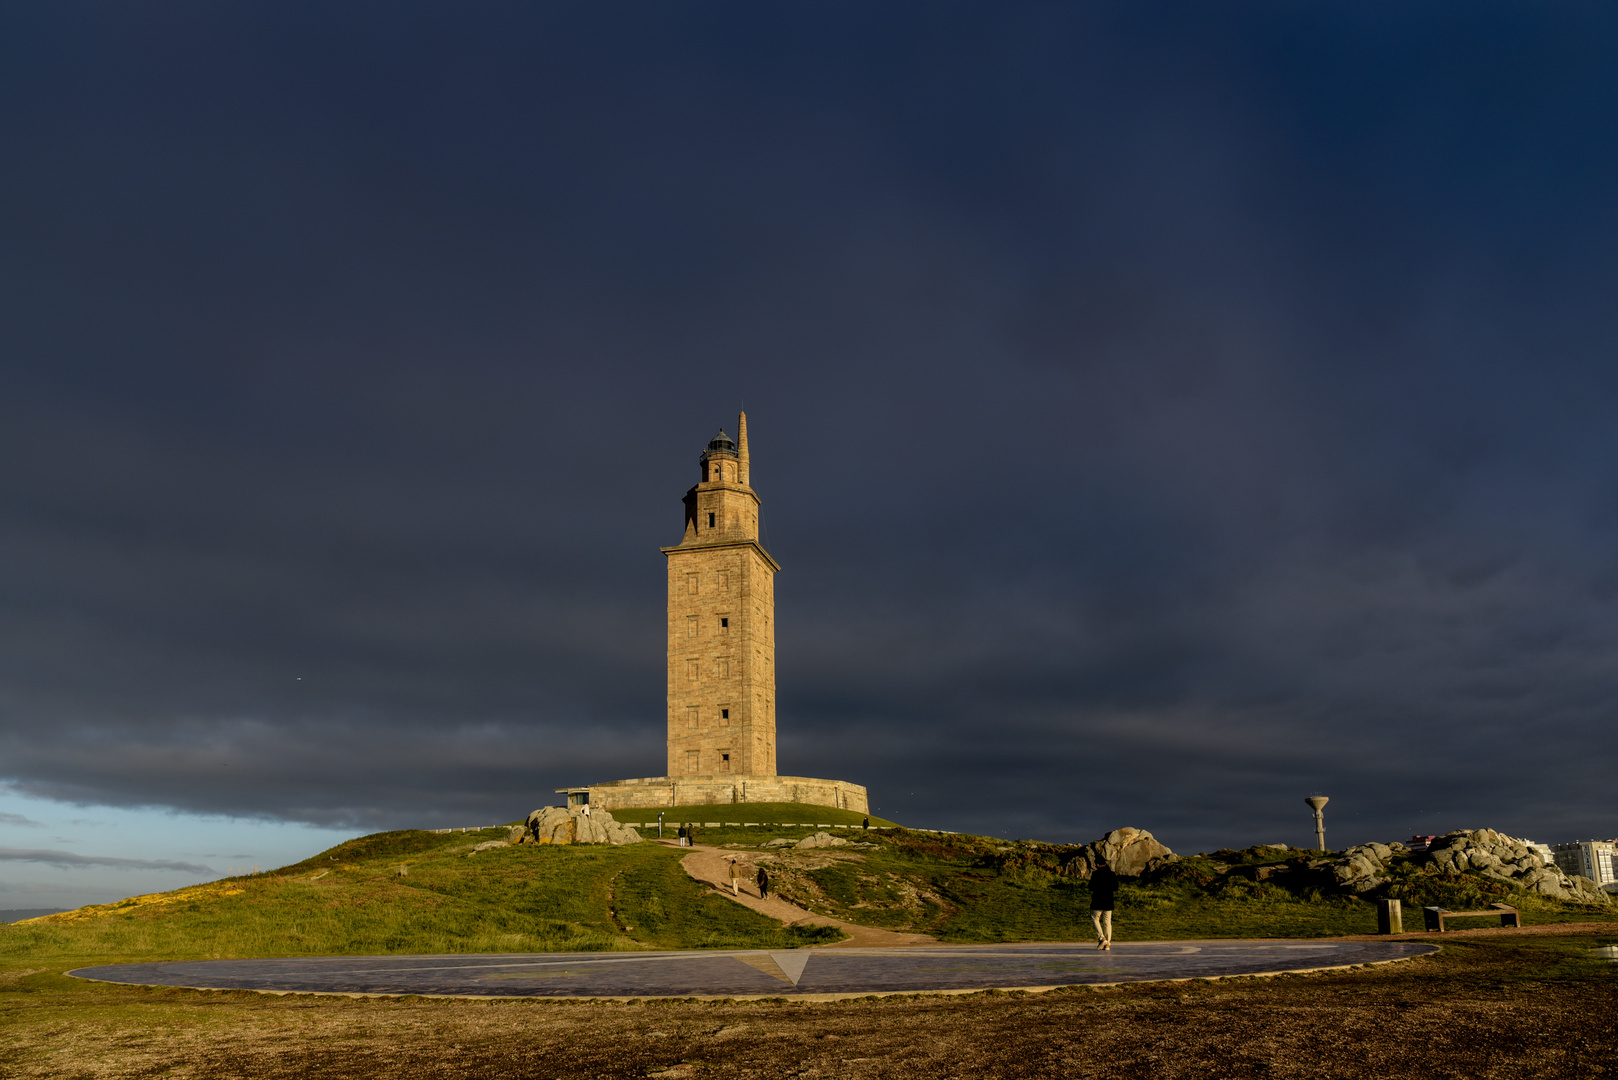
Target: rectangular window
[724,714]
[724,762]
[691,583]
[724,580]
[690,626]
[691,719]
[692,671]
[691,763]
[710,521]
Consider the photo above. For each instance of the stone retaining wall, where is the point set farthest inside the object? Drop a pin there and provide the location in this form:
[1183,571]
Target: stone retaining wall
[718,789]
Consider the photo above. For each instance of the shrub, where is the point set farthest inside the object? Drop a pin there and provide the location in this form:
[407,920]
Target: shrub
[1430,888]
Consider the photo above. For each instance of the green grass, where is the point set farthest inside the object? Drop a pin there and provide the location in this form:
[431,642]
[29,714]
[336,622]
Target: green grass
[353,899]
[508,899]
[975,889]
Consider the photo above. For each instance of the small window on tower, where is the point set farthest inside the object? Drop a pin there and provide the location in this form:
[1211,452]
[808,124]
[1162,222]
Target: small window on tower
[724,762]
[724,622]
[724,713]
[710,521]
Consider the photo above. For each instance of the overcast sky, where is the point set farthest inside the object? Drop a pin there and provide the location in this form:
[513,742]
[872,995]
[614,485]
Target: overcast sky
[1162,412]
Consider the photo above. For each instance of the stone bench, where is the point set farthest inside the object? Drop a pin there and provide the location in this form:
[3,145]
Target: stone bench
[1435,916]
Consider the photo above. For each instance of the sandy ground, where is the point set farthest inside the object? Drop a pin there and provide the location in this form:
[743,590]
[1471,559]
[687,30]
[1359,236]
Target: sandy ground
[1493,1012]
[712,866]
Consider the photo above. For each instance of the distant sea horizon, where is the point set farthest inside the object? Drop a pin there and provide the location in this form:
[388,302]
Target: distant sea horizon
[18,914]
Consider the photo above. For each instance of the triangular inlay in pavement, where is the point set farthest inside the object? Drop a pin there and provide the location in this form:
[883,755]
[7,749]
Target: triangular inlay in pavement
[766,963]
[792,963]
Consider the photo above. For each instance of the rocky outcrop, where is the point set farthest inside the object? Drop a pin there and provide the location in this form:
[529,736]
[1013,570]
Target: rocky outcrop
[820,840]
[1494,855]
[1365,867]
[565,825]
[1130,853]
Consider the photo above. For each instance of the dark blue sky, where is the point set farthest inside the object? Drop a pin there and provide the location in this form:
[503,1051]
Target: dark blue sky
[1162,412]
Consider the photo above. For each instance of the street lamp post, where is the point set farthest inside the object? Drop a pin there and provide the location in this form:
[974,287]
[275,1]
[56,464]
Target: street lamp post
[1317,803]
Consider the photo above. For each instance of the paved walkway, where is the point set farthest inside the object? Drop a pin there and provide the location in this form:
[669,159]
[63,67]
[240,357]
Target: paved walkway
[801,973]
[712,866]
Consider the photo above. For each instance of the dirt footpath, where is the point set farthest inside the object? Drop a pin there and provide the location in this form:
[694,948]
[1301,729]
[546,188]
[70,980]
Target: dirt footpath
[712,866]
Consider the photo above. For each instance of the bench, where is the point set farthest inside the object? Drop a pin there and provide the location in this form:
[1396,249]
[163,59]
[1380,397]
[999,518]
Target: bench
[1435,916]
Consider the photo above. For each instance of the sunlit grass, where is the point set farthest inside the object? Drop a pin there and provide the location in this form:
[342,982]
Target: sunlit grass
[973,889]
[354,899]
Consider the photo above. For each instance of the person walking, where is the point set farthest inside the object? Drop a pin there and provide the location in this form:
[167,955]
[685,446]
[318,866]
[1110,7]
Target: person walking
[682,836]
[763,884]
[735,878]
[1103,896]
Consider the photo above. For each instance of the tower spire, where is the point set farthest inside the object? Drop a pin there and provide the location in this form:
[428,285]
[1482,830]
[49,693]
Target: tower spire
[741,450]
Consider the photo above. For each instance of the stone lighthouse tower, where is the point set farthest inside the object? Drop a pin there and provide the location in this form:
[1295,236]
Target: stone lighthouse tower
[721,655]
[721,660]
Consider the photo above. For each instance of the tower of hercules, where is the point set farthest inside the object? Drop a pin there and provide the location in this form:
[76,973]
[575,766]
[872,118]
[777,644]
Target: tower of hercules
[721,659]
[721,656]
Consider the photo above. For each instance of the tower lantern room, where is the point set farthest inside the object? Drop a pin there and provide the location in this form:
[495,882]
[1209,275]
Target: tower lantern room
[720,461]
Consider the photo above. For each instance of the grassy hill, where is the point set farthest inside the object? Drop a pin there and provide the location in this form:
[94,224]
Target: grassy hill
[423,892]
[419,892]
[978,889]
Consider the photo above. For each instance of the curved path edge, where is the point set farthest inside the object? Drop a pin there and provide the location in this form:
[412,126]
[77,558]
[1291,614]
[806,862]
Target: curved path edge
[799,974]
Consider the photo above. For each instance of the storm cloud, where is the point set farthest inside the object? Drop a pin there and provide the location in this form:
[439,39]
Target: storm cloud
[1161,413]
[71,861]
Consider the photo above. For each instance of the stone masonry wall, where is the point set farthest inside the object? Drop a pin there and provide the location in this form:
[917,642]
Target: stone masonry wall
[721,660]
[655,791]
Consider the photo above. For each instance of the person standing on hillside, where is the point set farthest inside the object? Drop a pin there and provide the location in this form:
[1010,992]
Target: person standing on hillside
[1103,896]
[763,884]
[735,878]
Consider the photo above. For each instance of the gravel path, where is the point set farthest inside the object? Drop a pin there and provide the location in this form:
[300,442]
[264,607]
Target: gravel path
[711,866]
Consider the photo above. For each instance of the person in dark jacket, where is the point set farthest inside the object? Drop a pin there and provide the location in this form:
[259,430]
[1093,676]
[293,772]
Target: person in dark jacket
[763,884]
[1103,895]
